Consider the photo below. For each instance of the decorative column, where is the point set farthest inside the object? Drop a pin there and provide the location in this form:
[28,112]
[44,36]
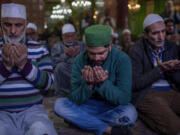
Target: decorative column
[122,14]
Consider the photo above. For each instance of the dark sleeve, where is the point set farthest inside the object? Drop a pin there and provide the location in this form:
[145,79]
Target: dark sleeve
[178,48]
[118,92]
[142,77]
[4,73]
[174,77]
[80,91]
[58,55]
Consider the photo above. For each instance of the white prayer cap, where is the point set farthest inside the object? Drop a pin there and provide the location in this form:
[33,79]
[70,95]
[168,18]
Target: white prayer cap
[126,31]
[68,28]
[32,26]
[152,18]
[115,35]
[13,10]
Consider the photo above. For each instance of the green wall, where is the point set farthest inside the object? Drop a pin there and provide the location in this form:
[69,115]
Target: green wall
[138,18]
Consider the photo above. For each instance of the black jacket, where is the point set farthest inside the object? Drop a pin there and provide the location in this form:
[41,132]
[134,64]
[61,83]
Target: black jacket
[144,72]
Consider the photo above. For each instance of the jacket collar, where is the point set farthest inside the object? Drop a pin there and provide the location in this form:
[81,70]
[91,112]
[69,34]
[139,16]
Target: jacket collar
[148,49]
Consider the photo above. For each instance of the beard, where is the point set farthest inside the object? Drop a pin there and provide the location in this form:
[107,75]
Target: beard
[68,43]
[97,63]
[13,38]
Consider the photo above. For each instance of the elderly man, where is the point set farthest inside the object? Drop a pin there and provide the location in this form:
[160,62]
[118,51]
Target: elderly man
[31,31]
[63,54]
[156,71]
[100,87]
[126,41]
[24,71]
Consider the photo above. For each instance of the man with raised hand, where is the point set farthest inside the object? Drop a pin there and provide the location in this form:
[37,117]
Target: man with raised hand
[25,70]
[156,71]
[31,31]
[62,54]
[100,95]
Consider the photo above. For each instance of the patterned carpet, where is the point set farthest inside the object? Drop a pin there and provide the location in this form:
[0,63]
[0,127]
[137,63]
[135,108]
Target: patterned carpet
[64,129]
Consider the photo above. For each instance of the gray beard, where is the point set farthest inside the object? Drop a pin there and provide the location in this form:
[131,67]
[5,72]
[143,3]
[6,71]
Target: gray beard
[20,39]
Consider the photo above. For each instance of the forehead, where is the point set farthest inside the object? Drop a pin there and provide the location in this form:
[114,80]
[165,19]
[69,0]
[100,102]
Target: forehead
[30,30]
[126,34]
[69,34]
[13,20]
[158,26]
[170,23]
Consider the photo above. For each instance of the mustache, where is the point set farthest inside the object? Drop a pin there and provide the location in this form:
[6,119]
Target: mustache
[12,36]
[160,40]
[98,62]
[69,43]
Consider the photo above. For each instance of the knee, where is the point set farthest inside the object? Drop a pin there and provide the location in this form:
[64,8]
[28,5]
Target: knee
[129,115]
[59,67]
[4,129]
[60,105]
[38,128]
[160,101]
[156,101]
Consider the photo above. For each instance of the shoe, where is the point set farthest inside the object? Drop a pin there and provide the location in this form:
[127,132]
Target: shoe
[121,130]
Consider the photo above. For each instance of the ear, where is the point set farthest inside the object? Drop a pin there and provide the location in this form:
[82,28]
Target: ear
[145,35]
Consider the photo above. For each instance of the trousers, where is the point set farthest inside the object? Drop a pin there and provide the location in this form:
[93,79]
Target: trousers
[32,121]
[62,77]
[160,110]
[95,115]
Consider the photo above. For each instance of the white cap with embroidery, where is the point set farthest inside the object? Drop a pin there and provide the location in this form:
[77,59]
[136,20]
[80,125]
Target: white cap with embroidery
[152,18]
[13,10]
[68,28]
[32,26]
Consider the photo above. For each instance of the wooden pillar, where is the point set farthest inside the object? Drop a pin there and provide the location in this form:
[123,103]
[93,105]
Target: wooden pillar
[122,14]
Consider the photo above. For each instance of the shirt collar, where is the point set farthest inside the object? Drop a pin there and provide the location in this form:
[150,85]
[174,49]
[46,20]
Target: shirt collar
[160,49]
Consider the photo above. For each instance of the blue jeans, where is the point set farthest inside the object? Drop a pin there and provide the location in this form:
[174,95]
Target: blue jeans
[95,115]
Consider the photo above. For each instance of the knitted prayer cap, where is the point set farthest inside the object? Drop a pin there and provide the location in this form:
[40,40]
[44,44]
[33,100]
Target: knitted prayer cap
[152,18]
[13,10]
[98,35]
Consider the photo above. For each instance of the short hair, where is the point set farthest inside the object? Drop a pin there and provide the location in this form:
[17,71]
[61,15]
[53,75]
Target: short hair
[167,20]
[147,29]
